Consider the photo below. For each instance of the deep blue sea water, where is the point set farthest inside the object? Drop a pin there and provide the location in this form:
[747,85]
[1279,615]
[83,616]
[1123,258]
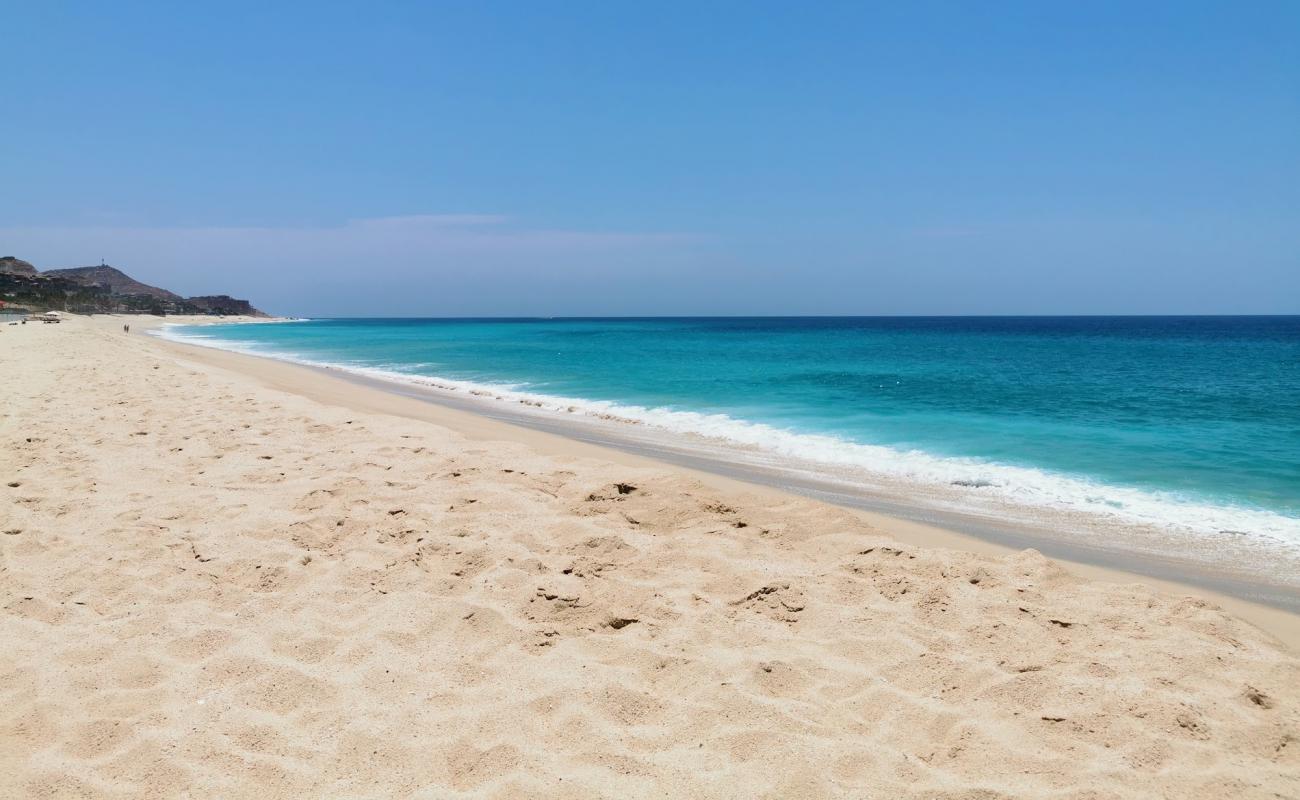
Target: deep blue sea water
[1192,422]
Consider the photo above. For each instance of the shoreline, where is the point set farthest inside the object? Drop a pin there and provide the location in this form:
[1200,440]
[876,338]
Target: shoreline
[1271,607]
[970,492]
[1088,545]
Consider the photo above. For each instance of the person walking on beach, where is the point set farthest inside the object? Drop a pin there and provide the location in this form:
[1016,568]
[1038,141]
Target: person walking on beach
[126,328]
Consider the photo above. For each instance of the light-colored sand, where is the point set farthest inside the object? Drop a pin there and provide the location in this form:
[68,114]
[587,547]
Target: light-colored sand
[214,588]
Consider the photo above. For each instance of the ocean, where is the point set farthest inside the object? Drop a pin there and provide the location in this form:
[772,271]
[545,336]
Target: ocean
[1186,424]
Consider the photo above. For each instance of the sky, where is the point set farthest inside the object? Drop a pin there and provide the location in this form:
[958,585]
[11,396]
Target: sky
[618,158]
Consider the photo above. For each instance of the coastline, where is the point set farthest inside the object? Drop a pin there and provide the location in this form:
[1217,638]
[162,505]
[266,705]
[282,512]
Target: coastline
[1225,568]
[229,575]
[1118,495]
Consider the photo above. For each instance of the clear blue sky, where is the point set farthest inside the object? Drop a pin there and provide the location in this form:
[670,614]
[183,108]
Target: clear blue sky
[663,158]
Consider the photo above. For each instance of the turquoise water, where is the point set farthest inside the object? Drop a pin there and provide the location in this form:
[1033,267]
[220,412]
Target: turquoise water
[1186,421]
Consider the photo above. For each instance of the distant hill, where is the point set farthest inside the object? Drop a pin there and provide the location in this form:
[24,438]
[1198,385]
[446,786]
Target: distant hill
[112,278]
[224,305]
[15,266]
[102,290]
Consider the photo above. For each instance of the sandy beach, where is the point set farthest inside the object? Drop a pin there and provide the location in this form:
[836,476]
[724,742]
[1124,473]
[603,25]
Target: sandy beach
[228,577]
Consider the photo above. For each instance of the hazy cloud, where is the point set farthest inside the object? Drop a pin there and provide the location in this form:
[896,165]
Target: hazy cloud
[289,267]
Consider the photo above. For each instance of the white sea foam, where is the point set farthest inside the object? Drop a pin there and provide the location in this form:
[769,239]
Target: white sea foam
[974,482]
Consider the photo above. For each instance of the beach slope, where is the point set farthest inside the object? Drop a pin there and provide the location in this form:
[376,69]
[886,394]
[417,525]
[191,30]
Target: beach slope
[214,588]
